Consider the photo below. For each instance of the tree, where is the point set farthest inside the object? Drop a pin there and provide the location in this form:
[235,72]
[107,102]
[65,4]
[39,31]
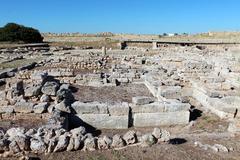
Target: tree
[165,34]
[13,32]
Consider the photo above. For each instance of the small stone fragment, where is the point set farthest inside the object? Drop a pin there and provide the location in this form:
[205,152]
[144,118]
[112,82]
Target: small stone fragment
[130,137]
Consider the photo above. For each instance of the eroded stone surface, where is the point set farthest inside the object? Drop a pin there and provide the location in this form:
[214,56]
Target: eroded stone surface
[171,77]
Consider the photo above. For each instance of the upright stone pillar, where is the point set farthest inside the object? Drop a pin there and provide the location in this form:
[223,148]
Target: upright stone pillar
[154,45]
[122,45]
[104,50]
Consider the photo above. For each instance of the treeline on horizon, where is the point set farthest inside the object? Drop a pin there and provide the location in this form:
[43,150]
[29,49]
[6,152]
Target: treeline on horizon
[13,32]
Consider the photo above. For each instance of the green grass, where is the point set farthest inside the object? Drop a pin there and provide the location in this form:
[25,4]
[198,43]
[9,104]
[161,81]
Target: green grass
[206,121]
[17,63]
[9,44]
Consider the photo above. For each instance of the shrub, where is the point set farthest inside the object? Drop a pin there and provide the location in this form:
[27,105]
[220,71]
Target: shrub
[18,33]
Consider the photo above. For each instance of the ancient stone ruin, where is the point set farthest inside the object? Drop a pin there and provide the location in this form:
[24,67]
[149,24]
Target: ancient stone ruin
[72,90]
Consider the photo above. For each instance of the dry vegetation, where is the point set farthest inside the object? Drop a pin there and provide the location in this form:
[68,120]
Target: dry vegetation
[111,41]
[92,44]
[206,127]
[17,63]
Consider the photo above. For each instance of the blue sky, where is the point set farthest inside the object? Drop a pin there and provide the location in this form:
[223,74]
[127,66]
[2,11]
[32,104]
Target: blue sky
[123,16]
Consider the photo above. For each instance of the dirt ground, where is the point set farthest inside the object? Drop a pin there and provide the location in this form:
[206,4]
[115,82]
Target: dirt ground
[111,94]
[185,151]
[28,122]
[208,129]
[2,87]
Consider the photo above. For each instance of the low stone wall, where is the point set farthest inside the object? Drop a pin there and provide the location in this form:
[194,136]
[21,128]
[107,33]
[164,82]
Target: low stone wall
[215,105]
[161,119]
[161,113]
[105,121]
[138,114]
[101,115]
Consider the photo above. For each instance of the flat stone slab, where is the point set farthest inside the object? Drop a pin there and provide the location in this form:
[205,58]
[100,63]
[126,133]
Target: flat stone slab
[119,109]
[6,109]
[105,121]
[161,119]
[170,92]
[24,107]
[224,108]
[175,106]
[141,100]
[89,108]
[161,107]
[148,108]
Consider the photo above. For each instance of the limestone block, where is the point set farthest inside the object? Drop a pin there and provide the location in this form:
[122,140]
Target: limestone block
[170,106]
[24,107]
[89,108]
[221,105]
[39,76]
[123,80]
[141,100]
[6,109]
[40,108]
[234,126]
[104,121]
[186,92]
[213,104]
[175,106]
[148,108]
[50,88]
[119,109]
[32,90]
[2,95]
[170,92]
[160,119]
